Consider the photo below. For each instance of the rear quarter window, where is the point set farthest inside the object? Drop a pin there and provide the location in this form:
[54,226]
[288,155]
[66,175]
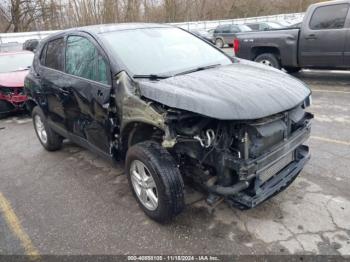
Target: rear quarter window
[329,17]
[55,54]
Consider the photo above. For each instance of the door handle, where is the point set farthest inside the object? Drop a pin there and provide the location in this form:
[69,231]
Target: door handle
[311,37]
[64,90]
[99,92]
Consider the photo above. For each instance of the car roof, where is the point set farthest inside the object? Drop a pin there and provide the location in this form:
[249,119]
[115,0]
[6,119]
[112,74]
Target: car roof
[104,28]
[15,53]
[331,3]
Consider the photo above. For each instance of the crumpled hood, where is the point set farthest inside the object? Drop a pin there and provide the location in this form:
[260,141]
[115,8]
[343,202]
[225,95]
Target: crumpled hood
[240,91]
[13,79]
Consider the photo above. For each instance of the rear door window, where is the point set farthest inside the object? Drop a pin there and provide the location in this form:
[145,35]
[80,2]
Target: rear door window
[84,60]
[254,26]
[263,27]
[234,29]
[329,17]
[54,54]
[226,29]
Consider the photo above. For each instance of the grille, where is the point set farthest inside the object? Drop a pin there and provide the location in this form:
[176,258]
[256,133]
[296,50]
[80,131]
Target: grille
[272,170]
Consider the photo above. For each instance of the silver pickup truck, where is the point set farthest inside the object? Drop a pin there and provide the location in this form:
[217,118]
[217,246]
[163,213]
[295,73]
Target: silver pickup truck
[322,42]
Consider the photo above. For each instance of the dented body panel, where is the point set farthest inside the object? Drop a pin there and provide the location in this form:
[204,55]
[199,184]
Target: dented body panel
[239,91]
[231,129]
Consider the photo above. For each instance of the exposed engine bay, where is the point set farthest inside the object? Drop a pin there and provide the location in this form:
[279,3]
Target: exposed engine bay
[243,161]
[226,158]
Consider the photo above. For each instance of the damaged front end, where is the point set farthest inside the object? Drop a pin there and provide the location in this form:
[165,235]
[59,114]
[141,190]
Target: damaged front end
[243,161]
[246,162]
[12,99]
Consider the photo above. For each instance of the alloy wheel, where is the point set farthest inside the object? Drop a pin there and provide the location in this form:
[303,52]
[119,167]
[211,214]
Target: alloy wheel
[144,185]
[40,129]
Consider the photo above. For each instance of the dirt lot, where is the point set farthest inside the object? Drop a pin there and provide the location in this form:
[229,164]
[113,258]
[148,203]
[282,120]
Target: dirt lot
[73,202]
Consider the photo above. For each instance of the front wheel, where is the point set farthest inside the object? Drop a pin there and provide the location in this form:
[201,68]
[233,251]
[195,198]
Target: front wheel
[268,59]
[155,181]
[50,140]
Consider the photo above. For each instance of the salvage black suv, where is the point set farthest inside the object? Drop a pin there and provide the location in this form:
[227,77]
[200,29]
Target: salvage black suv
[175,108]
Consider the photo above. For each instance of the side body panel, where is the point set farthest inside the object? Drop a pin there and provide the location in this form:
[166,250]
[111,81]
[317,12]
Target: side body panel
[284,41]
[322,48]
[87,112]
[75,107]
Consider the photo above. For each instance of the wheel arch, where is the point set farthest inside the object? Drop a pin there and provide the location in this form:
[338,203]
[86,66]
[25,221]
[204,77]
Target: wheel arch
[137,132]
[221,38]
[30,104]
[258,50]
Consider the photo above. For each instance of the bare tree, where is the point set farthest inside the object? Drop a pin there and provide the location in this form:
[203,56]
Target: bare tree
[26,15]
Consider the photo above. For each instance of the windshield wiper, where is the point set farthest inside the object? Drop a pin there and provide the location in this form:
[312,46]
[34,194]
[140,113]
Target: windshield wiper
[151,76]
[200,68]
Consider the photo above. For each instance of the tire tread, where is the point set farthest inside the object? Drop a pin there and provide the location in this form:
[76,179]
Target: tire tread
[173,183]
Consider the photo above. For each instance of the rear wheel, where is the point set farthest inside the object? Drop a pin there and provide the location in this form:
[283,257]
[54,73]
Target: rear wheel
[292,70]
[155,180]
[50,140]
[219,43]
[268,59]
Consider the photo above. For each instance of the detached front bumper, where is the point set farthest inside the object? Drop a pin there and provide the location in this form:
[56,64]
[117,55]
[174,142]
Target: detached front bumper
[261,178]
[262,190]
[15,101]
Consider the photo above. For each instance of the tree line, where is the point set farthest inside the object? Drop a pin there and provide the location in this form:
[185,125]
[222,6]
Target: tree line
[32,15]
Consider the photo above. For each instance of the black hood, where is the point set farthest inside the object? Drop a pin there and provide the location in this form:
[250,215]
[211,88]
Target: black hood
[240,91]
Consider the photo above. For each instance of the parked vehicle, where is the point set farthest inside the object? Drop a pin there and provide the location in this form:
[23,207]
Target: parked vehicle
[322,42]
[31,45]
[175,108]
[224,34]
[14,67]
[203,34]
[264,26]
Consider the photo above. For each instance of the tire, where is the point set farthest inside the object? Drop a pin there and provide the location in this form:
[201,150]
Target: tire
[53,141]
[269,60]
[5,108]
[292,70]
[219,43]
[159,166]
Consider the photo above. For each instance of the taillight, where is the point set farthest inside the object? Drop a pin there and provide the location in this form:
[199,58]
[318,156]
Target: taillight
[236,45]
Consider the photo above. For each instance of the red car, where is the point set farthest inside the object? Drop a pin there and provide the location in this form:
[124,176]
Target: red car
[14,67]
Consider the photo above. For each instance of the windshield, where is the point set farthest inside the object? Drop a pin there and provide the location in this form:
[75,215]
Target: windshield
[15,62]
[162,51]
[244,28]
